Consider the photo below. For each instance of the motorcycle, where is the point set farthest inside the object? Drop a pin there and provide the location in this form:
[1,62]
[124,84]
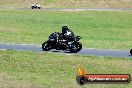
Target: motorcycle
[56,41]
[36,6]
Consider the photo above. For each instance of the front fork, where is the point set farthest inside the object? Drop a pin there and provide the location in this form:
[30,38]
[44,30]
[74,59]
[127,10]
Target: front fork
[69,45]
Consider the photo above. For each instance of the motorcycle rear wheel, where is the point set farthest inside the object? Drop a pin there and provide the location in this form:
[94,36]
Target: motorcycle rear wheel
[131,51]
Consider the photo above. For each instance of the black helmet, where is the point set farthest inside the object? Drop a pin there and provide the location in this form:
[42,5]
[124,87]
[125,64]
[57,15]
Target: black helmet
[64,29]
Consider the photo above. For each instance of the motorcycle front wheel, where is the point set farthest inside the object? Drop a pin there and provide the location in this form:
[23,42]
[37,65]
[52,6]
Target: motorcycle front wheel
[32,7]
[46,46]
[76,47]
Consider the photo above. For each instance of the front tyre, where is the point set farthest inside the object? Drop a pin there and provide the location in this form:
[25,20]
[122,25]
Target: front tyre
[46,46]
[32,7]
[76,47]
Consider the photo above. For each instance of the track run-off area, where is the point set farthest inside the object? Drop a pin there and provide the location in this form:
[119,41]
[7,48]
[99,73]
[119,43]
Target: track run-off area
[84,51]
[79,9]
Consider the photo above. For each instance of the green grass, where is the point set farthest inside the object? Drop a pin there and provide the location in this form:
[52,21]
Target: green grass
[44,69]
[9,81]
[99,29]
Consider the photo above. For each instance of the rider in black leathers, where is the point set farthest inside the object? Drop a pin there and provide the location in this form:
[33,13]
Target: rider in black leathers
[67,33]
[64,36]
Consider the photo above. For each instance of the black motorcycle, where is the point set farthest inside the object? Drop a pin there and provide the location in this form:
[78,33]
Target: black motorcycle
[56,41]
[36,6]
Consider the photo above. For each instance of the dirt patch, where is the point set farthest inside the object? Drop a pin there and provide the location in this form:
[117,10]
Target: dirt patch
[8,81]
[92,4]
[69,3]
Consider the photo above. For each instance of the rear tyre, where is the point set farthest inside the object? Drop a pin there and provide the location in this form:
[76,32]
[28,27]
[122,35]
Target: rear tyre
[131,51]
[46,46]
[39,7]
[76,47]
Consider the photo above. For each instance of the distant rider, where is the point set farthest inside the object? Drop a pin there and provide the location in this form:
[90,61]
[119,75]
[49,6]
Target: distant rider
[35,4]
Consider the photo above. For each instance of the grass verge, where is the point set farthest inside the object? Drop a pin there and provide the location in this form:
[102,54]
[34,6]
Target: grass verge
[99,29]
[50,70]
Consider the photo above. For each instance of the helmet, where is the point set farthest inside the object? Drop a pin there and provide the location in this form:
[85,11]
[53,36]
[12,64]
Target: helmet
[64,29]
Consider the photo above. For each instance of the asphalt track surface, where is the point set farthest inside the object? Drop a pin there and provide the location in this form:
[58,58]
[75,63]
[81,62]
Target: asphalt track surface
[79,9]
[88,51]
